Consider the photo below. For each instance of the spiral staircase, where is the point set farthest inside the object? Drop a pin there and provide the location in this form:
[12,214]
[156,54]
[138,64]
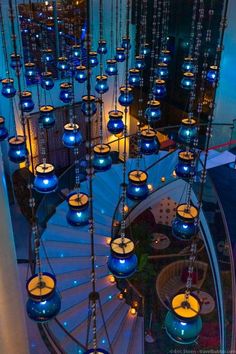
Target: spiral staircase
[66,251]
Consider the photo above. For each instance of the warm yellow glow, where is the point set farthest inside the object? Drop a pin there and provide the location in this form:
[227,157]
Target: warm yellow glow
[189,311]
[119,135]
[163,179]
[108,241]
[135,304]
[174,174]
[133,311]
[126,208]
[150,187]
[120,296]
[112,279]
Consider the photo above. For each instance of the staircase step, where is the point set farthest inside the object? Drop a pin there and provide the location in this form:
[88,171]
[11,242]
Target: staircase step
[136,345]
[124,334]
[74,249]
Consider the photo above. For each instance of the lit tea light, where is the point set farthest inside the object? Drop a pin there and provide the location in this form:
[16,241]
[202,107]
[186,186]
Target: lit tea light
[150,187]
[163,179]
[108,241]
[133,311]
[174,174]
[120,296]
[112,279]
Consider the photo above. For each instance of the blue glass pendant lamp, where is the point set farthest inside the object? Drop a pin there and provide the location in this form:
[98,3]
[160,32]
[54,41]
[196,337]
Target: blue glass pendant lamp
[149,142]
[186,167]
[15,62]
[76,50]
[101,86]
[162,71]
[26,102]
[126,43]
[80,74]
[126,96]
[93,60]
[184,225]
[145,49]
[188,81]
[30,71]
[139,62]
[8,89]
[188,65]
[102,160]
[122,261]
[165,56]
[46,80]
[44,302]
[159,89]
[137,188]
[47,57]
[3,129]
[17,152]
[78,213]
[47,117]
[188,131]
[102,47]
[212,74]
[134,77]
[62,64]
[111,68]
[120,55]
[115,124]
[45,180]
[88,106]
[65,92]
[72,136]
[183,323]
[153,111]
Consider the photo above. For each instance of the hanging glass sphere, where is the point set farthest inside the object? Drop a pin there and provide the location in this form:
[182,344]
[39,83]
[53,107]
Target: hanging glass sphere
[162,71]
[122,261]
[186,167]
[76,50]
[78,213]
[44,302]
[187,81]
[165,56]
[126,43]
[188,65]
[72,136]
[126,97]
[45,180]
[134,77]
[115,124]
[159,89]
[188,131]
[93,60]
[15,61]
[88,107]
[47,56]
[145,49]
[62,64]
[46,81]
[184,225]
[80,74]
[26,102]
[137,188]
[111,68]
[120,55]
[97,351]
[102,47]
[3,129]
[17,149]
[66,92]
[8,89]
[139,62]
[101,84]
[149,142]
[183,323]
[153,111]
[30,71]
[46,117]
[212,73]
[102,160]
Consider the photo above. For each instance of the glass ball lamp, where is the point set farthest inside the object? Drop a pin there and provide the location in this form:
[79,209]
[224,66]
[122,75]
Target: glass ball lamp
[126,97]
[26,102]
[115,124]
[139,62]
[44,302]
[120,55]
[102,160]
[80,74]
[17,149]
[30,71]
[183,323]
[122,261]
[145,49]
[111,68]
[149,142]
[153,111]
[184,225]
[188,65]
[72,136]
[62,64]
[134,77]
[8,89]
[159,89]
[46,117]
[165,56]
[45,180]
[97,351]
[188,131]
[65,92]
[88,107]
[47,56]
[93,60]
[137,188]
[185,167]
[162,71]
[15,62]
[126,43]
[101,86]
[188,81]
[3,129]
[78,213]
[102,47]
[212,74]
[76,50]
[46,81]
